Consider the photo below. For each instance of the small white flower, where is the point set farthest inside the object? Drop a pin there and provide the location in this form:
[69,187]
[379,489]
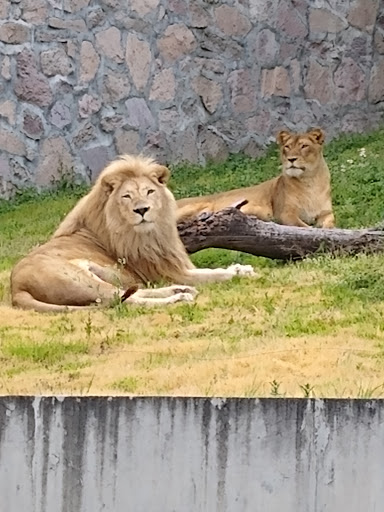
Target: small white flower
[362,152]
[349,161]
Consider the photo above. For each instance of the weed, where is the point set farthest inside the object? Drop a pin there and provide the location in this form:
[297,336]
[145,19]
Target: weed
[307,390]
[275,388]
[127,384]
[45,353]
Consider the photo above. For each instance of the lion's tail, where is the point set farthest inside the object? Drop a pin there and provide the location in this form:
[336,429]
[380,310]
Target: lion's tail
[25,300]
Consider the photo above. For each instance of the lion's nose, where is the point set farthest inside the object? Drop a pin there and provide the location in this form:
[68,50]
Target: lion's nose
[141,211]
[292,159]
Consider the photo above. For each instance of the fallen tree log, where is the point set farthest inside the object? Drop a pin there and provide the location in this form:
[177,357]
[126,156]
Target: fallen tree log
[232,229]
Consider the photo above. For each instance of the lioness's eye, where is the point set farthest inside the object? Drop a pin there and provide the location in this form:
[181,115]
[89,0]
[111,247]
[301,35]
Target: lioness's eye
[304,146]
[150,191]
[287,147]
[127,196]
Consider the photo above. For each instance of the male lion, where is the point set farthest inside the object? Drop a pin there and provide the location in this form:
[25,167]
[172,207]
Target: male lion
[122,234]
[300,196]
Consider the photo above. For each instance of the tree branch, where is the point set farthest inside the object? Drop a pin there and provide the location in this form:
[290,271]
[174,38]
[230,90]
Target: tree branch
[232,229]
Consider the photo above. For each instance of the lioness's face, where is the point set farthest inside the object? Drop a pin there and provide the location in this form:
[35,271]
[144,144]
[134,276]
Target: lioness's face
[300,153]
[140,202]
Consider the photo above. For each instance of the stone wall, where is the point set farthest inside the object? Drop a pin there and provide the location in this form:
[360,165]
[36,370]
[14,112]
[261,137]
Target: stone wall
[190,455]
[84,80]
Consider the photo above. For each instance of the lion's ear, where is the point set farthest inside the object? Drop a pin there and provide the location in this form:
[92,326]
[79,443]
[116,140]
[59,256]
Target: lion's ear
[109,183]
[161,174]
[318,135]
[282,137]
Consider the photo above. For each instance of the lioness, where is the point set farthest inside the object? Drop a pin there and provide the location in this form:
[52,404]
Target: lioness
[121,235]
[300,196]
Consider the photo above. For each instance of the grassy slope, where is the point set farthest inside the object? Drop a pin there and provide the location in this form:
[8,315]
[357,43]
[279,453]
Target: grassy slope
[300,329]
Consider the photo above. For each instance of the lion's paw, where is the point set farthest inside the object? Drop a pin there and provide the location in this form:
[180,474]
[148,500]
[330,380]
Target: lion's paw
[242,270]
[180,288]
[182,297]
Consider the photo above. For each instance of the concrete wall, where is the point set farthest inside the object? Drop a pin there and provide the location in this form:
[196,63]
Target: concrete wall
[192,455]
[82,80]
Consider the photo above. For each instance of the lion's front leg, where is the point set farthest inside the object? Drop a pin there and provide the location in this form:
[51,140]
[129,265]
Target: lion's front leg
[165,291]
[141,298]
[208,275]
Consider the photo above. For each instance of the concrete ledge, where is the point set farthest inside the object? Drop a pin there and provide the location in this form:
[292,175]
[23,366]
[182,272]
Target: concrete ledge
[190,454]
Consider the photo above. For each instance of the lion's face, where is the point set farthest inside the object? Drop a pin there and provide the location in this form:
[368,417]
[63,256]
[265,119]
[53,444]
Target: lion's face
[300,153]
[140,202]
[137,195]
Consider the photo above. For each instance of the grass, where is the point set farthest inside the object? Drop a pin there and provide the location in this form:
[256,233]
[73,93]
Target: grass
[314,328]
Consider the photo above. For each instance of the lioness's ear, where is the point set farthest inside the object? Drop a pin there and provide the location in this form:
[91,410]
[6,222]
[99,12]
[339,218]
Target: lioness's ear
[318,135]
[282,137]
[162,174]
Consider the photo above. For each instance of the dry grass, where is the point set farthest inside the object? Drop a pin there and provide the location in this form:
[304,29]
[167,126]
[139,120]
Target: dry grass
[278,334]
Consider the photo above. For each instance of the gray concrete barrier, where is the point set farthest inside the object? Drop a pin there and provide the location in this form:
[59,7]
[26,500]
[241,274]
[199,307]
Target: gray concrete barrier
[190,454]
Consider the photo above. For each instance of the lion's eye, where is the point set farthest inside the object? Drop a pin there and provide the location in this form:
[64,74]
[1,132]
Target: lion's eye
[287,148]
[127,196]
[304,146]
[150,191]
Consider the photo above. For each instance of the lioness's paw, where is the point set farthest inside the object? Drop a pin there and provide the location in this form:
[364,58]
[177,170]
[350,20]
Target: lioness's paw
[182,297]
[180,288]
[242,270]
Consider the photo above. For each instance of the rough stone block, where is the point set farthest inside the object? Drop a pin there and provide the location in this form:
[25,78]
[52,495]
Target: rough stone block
[95,159]
[242,92]
[213,147]
[376,83]
[8,111]
[115,87]
[289,22]
[138,57]
[275,82]
[231,22]
[139,115]
[210,92]
[163,86]
[363,14]
[34,11]
[68,24]
[75,5]
[379,40]
[33,125]
[60,115]
[323,20]
[88,105]
[144,7]
[13,32]
[85,134]
[126,142]
[350,82]
[12,143]
[55,62]
[6,68]
[89,62]
[199,16]
[55,158]
[264,46]
[95,17]
[319,83]
[109,42]
[177,40]
[31,85]
[110,123]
